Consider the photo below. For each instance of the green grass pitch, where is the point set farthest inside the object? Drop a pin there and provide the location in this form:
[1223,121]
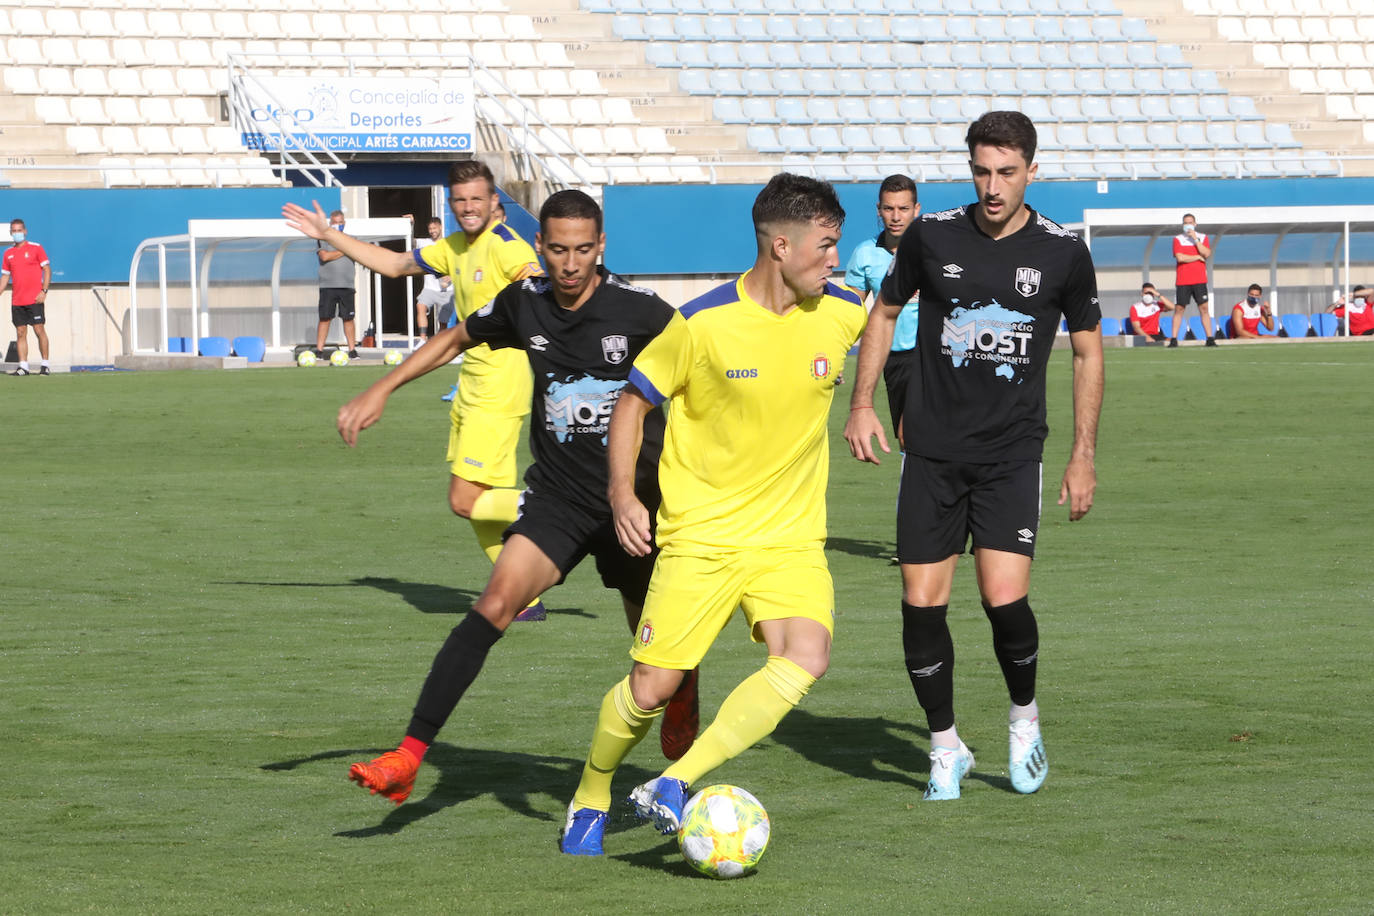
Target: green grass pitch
[209,607]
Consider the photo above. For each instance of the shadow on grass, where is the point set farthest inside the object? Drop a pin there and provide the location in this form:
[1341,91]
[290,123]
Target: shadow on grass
[512,778]
[873,748]
[882,551]
[425,597]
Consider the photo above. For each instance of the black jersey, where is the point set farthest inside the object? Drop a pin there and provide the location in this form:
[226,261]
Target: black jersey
[581,359]
[990,309]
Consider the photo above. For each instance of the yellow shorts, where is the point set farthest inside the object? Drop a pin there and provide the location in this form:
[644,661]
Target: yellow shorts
[481,447]
[691,598]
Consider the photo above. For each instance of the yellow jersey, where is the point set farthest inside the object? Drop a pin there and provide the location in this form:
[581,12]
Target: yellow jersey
[493,381]
[746,456]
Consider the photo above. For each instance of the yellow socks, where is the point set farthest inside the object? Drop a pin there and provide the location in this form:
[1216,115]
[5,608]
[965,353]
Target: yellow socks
[492,514]
[749,714]
[620,726]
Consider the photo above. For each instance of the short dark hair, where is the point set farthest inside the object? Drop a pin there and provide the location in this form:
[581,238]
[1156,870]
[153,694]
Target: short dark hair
[19,221]
[895,184]
[470,170]
[792,198]
[570,204]
[334,213]
[1254,286]
[1186,215]
[1146,285]
[435,219]
[1004,130]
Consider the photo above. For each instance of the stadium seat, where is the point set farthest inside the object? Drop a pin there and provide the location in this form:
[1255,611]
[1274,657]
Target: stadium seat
[1166,325]
[1295,325]
[1324,324]
[1278,326]
[251,347]
[1111,327]
[215,346]
[178,344]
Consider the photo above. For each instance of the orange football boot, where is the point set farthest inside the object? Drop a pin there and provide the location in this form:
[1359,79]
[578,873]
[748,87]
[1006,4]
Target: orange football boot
[392,774]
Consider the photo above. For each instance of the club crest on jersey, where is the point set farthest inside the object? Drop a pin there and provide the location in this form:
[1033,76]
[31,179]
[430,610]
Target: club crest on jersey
[477,275]
[820,366]
[646,634]
[615,347]
[1027,281]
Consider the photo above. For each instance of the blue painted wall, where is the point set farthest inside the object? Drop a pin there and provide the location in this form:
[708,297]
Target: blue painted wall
[90,235]
[705,229]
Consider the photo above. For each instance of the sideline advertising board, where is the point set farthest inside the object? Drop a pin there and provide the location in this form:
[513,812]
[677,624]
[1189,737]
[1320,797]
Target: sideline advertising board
[361,115]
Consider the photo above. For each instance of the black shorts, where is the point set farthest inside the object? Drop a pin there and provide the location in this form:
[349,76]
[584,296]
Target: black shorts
[896,374]
[942,502]
[1197,292]
[23,315]
[567,532]
[336,300]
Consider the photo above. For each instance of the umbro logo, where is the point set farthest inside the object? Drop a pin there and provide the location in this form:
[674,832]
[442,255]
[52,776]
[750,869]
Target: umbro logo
[927,671]
[953,271]
[1025,535]
[538,342]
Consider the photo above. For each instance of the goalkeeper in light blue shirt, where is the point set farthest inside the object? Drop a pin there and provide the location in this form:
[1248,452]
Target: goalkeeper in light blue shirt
[897,209]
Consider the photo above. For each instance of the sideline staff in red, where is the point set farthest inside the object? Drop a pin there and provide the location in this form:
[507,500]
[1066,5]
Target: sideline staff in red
[26,266]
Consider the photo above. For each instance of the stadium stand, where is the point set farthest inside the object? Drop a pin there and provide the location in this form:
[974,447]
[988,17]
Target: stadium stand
[1125,89]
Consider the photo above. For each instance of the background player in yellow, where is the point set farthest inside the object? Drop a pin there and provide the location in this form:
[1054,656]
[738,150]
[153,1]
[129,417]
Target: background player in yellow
[749,369]
[494,386]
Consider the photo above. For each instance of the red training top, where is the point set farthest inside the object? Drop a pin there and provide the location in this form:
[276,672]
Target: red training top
[24,264]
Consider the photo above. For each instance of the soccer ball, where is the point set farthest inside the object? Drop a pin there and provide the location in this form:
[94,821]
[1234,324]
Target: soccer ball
[393,357]
[305,359]
[338,358]
[724,832]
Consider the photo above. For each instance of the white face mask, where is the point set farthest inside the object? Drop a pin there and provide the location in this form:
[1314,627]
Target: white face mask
[18,237]
[1148,298]
[1188,226]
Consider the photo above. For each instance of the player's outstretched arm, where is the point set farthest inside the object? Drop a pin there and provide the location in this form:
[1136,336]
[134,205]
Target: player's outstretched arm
[623,441]
[366,409]
[316,225]
[874,347]
[1080,477]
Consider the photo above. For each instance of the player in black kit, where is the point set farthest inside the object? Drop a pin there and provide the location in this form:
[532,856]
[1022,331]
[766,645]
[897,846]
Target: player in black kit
[582,328]
[995,277]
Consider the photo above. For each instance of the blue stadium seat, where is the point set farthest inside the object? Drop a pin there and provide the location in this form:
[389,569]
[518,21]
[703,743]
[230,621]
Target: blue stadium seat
[1126,108]
[812,29]
[1222,135]
[1037,108]
[858,139]
[788,82]
[973,107]
[1059,81]
[728,111]
[784,55]
[1177,81]
[1324,324]
[753,55]
[1026,55]
[966,55]
[1192,136]
[1074,139]
[757,82]
[215,346]
[628,28]
[1049,137]
[821,110]
[1049,28]
[1294,325]
[915,110]
[850,82]
[659,28]
[254,348]
[1111,327]
[880,82]
[661,54]
[888,138]
[1163,136]
[178,345]
[1091,81]
[1020,28]
[1104,135]
[763,138]
[827,139]
[1207,81]
[1107,29]
[723,54]
[950,137]
[818,81]
[1265,332]
[997,55]
[1001,82]
[779,28]
[875,55]
[1243,107]
[920,139]
[690,28]
[884,110]
[692,54]
[1320,165]
[758,110]
[1135,29]
[1195,328]
[990,28]
[1185,108]
[791,110]
[1084,54]
[721,28]
[940,81]
[1065,108]
[1166,325]
[854,110]
[1132,136]
[1214,108]
[1259,164]
[910,82]
[695,82]
[795,139]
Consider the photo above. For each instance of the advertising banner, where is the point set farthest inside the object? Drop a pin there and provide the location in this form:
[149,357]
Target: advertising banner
[364,115]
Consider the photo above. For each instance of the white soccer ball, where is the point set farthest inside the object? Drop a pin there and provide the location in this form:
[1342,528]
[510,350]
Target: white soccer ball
[305,359]
[338,358]
[393,357]
[724,832]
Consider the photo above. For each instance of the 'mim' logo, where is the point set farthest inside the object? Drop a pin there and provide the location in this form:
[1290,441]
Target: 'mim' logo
[1027,281]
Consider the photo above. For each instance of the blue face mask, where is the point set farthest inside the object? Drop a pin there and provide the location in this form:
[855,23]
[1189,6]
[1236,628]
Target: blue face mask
[340,227]
[1253,300]
[18,237]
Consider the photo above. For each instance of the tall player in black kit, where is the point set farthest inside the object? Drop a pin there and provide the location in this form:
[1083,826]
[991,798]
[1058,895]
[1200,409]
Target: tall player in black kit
[582,328]
[995,277]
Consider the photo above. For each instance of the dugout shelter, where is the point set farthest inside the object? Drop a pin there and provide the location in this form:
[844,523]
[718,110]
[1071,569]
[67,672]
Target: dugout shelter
[233,277]
[1330,241]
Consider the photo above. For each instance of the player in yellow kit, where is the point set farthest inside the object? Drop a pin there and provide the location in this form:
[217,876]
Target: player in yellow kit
[749,373]
[494,386]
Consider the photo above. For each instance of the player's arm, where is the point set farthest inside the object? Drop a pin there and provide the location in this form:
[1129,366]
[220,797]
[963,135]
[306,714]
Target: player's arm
[1237,324]
[1135,325]
[1080,477]
[47,281]
[4,282]
[874,347]
[1266,317]
[623,441]
[381,260]
[366,409]
[1203,249]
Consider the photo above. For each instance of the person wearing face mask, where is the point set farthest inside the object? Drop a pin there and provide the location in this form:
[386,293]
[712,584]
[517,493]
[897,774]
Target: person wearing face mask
[336,290]
[1192,248]
[1147,311]
[437,294]
[26,266]
[1359,311]
[1249,313]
